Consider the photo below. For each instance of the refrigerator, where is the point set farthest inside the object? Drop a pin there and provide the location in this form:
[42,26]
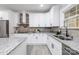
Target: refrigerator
[4,28]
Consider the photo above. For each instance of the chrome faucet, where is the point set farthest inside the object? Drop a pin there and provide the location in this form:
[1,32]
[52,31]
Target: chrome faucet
[67,34]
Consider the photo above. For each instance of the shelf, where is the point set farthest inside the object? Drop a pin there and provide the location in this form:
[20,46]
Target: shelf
[72,12]
[73,28]
[70,18]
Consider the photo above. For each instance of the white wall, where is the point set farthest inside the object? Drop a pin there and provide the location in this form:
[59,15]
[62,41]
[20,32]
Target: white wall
[4,15]
[13,18]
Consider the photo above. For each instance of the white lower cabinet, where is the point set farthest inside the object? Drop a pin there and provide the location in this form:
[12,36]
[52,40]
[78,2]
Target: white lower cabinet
[54,46]
[30,39]
[37,38]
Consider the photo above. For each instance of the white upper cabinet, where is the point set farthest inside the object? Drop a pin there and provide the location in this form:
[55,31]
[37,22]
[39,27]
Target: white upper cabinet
[41,20]
[52,18]
[33,20]
[49,19]
[37,20]
[55,15]
[46,20]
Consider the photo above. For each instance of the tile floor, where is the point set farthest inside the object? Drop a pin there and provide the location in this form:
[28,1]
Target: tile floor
[38,50]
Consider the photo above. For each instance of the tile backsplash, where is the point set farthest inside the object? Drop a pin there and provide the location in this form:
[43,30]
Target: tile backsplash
[72,32]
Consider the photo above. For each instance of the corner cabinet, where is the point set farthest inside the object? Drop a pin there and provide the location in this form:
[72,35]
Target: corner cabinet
[72,17]
[54,16]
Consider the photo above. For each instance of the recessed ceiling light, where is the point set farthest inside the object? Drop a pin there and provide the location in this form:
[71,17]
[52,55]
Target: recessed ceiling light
[41,5]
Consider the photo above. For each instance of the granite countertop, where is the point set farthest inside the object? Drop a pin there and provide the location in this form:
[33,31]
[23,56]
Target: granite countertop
[8,44]
[73,44]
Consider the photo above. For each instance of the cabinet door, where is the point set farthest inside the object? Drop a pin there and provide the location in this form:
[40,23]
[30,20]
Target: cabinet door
[78,22]
[44,38]
[56,15]
[31,38]
[41,20]
[73,23]
[37,38]
[66,23]
[33,20]
[67,14]
[54,46]
[49,43]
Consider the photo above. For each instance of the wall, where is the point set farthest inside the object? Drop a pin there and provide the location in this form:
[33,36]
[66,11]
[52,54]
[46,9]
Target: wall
[4,15]
[13,18]
[74,33]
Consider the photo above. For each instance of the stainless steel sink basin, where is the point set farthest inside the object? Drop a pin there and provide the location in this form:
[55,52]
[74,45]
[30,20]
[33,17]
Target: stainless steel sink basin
[63,37]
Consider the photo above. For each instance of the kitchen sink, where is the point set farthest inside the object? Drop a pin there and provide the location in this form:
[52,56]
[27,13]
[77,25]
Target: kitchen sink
[63,37]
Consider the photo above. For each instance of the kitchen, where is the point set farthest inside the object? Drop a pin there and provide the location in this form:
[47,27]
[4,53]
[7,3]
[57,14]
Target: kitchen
[39,29]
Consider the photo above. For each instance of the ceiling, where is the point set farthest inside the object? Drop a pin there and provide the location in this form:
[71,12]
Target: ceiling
[27,7]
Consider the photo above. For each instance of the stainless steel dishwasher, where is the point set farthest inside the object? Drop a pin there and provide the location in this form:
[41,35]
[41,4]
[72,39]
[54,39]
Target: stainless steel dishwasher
[68,51]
